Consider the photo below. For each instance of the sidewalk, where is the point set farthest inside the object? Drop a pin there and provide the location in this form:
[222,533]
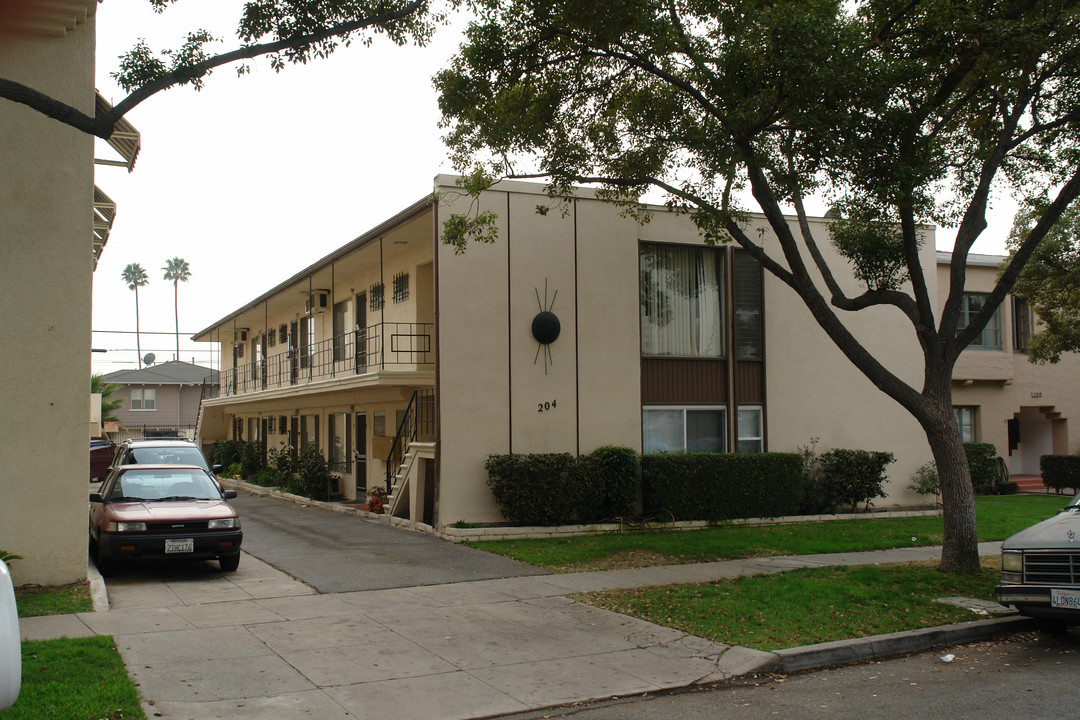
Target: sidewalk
[258,644]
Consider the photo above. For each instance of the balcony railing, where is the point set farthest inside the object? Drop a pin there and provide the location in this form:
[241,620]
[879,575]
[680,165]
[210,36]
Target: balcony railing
[377,347]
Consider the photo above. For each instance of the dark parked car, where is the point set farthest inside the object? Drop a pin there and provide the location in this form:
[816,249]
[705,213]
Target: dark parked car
[102,451]
[163,512]
[1041,568]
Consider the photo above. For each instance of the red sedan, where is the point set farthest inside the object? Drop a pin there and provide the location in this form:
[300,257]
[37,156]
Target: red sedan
[163,512]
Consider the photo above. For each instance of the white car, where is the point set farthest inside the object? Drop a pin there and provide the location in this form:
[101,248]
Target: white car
[10,644]
[1041,568]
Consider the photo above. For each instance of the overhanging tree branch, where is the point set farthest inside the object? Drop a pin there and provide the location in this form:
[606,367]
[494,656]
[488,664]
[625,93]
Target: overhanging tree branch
[103,126]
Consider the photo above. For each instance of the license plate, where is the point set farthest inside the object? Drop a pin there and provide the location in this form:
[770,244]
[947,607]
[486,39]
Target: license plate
[1065,599]
[181,545]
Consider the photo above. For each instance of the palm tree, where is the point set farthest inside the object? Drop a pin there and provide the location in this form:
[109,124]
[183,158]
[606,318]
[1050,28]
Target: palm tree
[135,277]
[98,385]
[178,271]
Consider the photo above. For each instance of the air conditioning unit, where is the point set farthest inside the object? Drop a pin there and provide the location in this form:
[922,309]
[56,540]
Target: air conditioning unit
[318,302]
[240,335]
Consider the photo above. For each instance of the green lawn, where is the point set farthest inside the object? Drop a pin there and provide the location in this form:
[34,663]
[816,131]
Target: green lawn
[80,679]
[803,607]
[72,679]
[998,517]
[53,600]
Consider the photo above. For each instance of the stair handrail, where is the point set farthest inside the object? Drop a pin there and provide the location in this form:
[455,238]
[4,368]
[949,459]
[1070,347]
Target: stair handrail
[408,431]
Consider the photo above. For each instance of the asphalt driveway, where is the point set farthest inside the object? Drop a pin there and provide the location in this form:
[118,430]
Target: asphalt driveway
[334,552]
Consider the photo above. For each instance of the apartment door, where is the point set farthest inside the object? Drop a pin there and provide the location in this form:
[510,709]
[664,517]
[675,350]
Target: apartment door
[294,355]
[361,332]
[361,455]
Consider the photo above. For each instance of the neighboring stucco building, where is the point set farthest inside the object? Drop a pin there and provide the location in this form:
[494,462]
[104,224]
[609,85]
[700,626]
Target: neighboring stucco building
[160,399]
[46,260]
[575,329]
[1000,397]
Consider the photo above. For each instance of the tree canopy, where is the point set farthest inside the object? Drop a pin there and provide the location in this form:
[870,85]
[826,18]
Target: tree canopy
[1050,283]
[285,31]
[901,113]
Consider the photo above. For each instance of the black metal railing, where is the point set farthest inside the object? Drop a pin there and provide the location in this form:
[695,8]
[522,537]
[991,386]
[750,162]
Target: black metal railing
[354,353]
[417,424]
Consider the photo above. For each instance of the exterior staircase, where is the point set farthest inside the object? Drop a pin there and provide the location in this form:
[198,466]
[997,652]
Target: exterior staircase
[1030,484]
[415,441]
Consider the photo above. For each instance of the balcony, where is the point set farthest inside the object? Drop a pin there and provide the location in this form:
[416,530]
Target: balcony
[385,346]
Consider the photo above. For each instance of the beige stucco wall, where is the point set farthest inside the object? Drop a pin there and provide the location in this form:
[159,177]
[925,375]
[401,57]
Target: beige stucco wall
[494,393]
[815,392]
[1002,384]
[46,194]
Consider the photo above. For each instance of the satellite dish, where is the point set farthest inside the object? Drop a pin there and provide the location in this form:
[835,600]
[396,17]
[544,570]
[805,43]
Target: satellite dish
[148,359]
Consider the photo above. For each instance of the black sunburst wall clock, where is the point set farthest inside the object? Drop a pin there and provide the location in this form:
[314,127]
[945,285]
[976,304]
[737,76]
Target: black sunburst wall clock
[545,327]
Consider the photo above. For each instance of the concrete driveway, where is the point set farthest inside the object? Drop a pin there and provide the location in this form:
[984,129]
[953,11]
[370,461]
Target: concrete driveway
[334,552]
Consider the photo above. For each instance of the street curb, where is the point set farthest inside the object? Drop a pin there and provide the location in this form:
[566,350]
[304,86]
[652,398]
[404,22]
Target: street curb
[98,593]
[842,651]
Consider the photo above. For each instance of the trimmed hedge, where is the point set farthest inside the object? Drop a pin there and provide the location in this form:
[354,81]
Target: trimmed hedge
[981,457]
[615,473]
[559,489]
[538,489]
[1060,472]
[723,486]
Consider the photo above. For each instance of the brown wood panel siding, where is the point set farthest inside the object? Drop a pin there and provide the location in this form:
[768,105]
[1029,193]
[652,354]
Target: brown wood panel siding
[683,381]
[750,382]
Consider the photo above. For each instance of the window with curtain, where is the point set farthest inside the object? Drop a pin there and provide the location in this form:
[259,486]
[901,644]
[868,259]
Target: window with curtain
[143,399]
[970,306]
[684,429]
[682,307]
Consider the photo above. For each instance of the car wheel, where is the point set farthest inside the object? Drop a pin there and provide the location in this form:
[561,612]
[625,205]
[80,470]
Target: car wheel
[229,562]
[105,566]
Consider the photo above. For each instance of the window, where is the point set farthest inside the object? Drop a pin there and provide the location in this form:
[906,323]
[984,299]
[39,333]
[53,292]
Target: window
[749,335]
[339,329]
[691,429]
[271,338]
[401,287]
[681,301]
[378,423]
[970,306]
[375,295]
[143,399]
[1021,324]
[271,426]
[749,428]
[965,420]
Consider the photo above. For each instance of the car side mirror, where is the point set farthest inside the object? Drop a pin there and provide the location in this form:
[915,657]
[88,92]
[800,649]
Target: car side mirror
[216,468]
[96,498]
[230,494]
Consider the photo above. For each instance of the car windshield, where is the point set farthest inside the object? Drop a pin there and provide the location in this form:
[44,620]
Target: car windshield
[166,456]
[164,484]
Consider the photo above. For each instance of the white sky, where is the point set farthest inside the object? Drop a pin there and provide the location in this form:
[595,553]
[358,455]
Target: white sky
[256,177]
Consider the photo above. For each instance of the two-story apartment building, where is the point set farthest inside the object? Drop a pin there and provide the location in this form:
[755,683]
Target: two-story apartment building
[1000,397]
[576,328]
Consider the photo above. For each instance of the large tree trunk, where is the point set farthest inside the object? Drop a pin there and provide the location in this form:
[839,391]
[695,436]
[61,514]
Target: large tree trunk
[960,547]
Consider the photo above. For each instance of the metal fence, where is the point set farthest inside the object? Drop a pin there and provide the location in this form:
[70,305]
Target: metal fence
[401,345]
